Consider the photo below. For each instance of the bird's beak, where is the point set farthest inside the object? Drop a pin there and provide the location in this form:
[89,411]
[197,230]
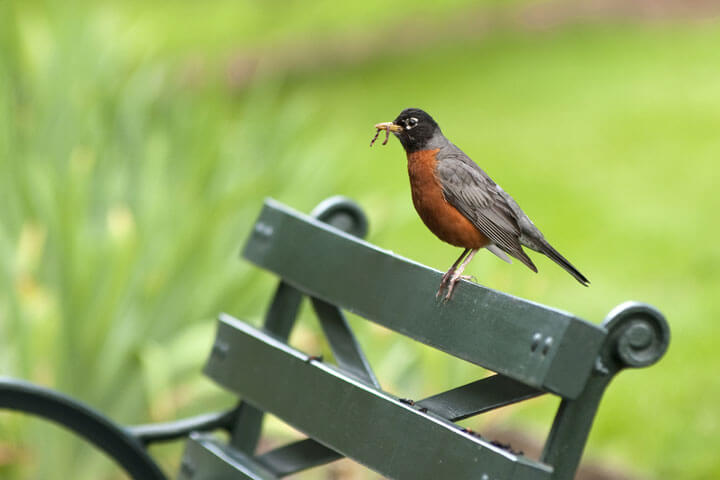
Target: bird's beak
[389,126]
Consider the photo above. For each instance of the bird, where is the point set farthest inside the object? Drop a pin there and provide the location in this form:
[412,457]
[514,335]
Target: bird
[461,204]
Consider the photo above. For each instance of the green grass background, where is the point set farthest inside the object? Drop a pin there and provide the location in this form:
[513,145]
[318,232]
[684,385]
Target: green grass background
[132,166]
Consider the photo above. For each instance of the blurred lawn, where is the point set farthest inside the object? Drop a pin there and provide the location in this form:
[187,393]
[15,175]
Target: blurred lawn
[131,168]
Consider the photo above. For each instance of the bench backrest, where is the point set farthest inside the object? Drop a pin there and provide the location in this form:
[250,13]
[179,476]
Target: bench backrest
[533,349]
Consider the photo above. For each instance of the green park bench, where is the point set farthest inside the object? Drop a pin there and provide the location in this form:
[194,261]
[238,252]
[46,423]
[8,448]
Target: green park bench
[532,349]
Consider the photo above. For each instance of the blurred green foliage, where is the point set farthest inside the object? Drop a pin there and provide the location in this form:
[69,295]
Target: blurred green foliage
[133,160]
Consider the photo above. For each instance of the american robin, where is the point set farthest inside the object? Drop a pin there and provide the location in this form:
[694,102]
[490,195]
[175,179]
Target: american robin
[461,204]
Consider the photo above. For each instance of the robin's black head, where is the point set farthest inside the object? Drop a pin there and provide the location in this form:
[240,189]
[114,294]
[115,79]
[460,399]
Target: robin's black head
[414,128]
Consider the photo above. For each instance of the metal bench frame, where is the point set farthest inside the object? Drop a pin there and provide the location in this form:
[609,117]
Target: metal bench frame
[532,349]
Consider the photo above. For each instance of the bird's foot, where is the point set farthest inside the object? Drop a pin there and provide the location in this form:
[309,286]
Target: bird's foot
[450,283]
[455,274]
[445,280]
[454,280]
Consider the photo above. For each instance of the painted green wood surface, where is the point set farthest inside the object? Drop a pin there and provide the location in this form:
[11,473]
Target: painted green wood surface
[205,458]
[537,345]
[375,429]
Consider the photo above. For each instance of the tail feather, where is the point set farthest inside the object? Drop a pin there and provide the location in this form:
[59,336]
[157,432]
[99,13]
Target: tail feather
[522,256]
[555,256]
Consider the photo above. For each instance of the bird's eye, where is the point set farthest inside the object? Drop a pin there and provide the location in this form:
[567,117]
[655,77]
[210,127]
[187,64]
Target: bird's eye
[410,123]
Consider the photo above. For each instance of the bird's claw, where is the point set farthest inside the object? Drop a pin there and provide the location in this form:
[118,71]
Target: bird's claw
[437,294]
[444,281]
[450,283]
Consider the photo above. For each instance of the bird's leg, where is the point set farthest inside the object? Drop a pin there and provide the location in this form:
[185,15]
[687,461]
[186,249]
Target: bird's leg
[457,275]
[449,273]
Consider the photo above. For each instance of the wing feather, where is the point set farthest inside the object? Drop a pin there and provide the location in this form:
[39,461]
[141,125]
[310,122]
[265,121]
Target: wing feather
[469,189]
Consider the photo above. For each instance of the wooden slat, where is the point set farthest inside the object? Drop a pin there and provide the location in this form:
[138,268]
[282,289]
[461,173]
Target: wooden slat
[206,458]
[477,397]
[279,320]
[539,346]
[351,417]
[296,457]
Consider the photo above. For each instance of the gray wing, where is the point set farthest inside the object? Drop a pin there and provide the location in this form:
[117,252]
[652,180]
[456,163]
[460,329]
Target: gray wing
[475,195]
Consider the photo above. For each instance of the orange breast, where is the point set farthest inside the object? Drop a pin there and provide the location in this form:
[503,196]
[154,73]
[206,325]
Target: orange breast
[441,218]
